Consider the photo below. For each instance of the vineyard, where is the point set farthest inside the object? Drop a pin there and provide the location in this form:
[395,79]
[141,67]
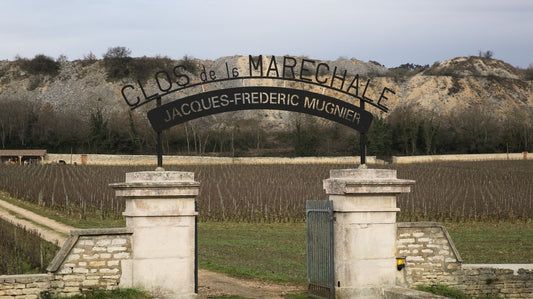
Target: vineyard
[23,251]
[451,191]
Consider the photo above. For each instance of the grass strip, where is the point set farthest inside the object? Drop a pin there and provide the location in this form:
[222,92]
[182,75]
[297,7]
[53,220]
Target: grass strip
[111,294]
[493,243]
[278,251]
[275,251]
[21,217]
[443,290]
[63,217]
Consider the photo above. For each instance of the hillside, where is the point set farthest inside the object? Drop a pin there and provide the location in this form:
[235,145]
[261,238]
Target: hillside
[452,85]
[79,89]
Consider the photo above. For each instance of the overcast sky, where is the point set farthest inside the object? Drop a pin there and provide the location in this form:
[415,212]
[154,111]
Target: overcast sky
[391,32]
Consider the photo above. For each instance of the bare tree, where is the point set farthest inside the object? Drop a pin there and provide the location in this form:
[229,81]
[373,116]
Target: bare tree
[486,54]
[117,52]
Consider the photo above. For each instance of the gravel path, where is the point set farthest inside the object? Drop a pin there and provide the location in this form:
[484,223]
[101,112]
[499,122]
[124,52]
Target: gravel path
[50,230]
[211,284]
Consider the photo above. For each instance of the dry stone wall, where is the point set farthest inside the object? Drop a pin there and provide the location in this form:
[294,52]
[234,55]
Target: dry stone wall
[429,253]
[89,259]
[101,259]
[431,258]
[97,159]
[24,286]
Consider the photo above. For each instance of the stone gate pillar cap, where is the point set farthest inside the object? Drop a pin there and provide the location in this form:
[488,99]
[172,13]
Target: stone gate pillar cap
[365,174]
[159,176]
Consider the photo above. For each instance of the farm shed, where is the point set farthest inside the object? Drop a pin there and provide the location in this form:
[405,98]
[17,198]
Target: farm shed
[22,156]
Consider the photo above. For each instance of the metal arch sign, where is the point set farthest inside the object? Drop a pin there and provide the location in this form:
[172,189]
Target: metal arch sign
[265,97]
[285,68]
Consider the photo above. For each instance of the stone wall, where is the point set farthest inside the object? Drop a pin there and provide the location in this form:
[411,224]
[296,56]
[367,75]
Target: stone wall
[96,159]
[89,259]
[431,258]
[101,259]
[24,286]
[469,157]
[428,250]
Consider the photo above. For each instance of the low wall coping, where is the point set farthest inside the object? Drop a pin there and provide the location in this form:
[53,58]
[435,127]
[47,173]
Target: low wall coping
[426,224]
[75,234]
[24,278]
[397,292]
[515,267]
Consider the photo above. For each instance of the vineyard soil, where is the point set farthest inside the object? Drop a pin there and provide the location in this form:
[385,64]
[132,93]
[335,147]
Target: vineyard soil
[211,284]
[487,208]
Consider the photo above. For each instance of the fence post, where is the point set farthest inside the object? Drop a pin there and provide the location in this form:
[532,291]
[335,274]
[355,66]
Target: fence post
[364,207]
[160,210]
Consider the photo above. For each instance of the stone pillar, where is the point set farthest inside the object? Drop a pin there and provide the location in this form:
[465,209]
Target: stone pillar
[160,209]
[364,204]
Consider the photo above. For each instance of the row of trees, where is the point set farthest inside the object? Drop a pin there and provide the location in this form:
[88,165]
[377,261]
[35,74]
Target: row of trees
[405,131]
[476,130]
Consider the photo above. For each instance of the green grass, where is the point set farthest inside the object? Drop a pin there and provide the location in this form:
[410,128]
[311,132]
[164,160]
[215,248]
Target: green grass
[278,251]
[493,243]
[63,217]
[275,252]
[443,290]
[228,297]
[449,292]
[113,294]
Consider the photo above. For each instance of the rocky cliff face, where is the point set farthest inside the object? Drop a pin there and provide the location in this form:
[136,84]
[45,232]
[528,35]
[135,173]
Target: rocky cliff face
[444,89]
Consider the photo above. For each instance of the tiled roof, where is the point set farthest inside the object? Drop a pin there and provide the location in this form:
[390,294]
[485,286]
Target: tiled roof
[35,153]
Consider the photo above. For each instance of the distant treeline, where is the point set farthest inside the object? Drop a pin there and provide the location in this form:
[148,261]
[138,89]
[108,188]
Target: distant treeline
[406,131]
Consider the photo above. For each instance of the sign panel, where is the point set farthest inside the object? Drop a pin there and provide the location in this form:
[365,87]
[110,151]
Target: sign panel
[263,97]
[287,69]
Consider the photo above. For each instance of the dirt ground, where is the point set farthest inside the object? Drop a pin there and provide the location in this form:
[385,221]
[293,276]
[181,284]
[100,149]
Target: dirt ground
[210,284]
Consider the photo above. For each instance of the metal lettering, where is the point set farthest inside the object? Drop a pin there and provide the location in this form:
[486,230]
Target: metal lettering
[364,91]
[333,77]
[167,77]
[204,106]
[224,100]
[292,100]
[310,72]
[198,107]
[288,66]
[317,73]
[257,65]
[183,111]
[244,98]
[304,70]
[129,86]
[144,93]
[383,97]
[356,86]
[168,118]
[180,76]
[272,66]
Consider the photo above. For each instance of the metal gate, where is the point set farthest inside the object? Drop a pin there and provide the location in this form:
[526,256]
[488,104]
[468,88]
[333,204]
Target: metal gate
[196,246]
[320,264]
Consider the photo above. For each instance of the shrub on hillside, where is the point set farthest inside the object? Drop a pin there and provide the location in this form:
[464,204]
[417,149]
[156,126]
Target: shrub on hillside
[144,67]
[116,62]
[119,64]
[89,59]
[407,70]
[189,64]
[40,65]
[528,73]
